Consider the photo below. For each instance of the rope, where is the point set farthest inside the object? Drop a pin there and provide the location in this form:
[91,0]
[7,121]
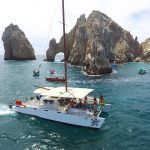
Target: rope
[50,26]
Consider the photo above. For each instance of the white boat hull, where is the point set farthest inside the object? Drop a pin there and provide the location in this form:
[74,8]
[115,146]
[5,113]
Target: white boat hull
[63,117]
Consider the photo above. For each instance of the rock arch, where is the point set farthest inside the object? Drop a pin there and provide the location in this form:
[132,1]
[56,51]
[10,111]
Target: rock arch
[59,57]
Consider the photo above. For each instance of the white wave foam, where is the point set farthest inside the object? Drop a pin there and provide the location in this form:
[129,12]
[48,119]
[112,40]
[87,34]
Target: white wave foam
[84,73]
[4,110]
[114,71]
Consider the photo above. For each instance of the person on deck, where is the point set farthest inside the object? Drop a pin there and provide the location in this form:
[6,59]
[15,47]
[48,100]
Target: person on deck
[95,100]
[72,103]
[101,100]
[85,100]
[94,109]
[80,103]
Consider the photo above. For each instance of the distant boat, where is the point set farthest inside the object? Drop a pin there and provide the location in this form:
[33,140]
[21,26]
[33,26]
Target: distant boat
[52,71]
[142,71]
[36,72]
[55,79]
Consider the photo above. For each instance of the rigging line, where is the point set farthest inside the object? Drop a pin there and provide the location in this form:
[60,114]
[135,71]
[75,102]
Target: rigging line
[50,26]
[70,15]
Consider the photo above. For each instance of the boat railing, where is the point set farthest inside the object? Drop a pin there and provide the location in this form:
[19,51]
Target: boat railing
[52,105]
[79,112]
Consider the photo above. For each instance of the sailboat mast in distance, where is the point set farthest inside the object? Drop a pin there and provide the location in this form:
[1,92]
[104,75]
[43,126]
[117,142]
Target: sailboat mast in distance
[65,59]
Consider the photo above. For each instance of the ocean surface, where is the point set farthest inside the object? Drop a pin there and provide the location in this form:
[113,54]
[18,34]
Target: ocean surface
[127,125]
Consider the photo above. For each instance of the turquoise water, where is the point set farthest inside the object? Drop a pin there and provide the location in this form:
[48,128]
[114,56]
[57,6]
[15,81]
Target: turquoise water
[127,125]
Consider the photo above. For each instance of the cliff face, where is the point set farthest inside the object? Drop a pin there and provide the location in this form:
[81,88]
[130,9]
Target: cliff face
[146,50]
[95,42]
[16,45]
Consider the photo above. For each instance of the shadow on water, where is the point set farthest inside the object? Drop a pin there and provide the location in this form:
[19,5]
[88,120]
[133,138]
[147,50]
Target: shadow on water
[55,134]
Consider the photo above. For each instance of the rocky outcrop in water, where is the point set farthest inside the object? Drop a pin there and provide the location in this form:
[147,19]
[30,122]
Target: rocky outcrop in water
[16,45]
[95,42]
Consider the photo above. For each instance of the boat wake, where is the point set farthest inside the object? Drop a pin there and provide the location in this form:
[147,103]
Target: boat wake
[114,71]
[84,73]
[4,110]
[100,75]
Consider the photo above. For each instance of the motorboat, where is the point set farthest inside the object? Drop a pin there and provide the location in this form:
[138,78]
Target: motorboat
[142,71]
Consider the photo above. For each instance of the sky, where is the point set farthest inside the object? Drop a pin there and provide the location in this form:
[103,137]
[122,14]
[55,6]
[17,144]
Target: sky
[40,20]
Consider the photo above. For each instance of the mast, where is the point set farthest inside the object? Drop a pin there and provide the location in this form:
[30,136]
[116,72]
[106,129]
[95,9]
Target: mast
[65,59]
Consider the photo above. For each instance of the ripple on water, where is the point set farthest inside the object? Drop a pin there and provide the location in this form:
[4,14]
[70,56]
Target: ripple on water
[4,110]
[127,126]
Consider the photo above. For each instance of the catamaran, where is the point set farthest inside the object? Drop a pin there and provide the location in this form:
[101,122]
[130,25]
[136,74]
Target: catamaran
[65,104]
[70,107]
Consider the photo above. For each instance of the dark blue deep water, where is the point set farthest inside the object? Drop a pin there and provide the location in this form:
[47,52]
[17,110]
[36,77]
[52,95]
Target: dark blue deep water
[127,125]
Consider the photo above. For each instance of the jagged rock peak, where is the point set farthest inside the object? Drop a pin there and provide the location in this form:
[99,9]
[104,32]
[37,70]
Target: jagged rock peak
[81,20]
[16,45]
[98,15]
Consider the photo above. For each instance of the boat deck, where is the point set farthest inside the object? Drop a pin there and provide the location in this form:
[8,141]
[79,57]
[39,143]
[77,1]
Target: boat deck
[56,106]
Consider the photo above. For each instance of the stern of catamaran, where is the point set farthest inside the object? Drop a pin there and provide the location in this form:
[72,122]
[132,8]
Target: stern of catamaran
[97,122]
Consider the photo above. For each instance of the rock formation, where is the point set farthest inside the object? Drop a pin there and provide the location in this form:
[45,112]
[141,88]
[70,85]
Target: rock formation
[95,42]
[146,50]
[16,45]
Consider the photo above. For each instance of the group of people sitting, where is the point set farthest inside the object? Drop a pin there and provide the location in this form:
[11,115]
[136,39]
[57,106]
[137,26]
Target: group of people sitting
[46,101]
[83,103]
[64,101]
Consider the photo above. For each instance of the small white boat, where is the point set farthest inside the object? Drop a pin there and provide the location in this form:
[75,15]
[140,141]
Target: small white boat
[55,104]
[36,72]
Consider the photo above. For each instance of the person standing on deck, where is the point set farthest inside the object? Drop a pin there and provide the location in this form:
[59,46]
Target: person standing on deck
[95,100]
[85,100]
[101,100]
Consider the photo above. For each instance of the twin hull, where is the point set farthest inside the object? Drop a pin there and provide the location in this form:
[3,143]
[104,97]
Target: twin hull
[91,122]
